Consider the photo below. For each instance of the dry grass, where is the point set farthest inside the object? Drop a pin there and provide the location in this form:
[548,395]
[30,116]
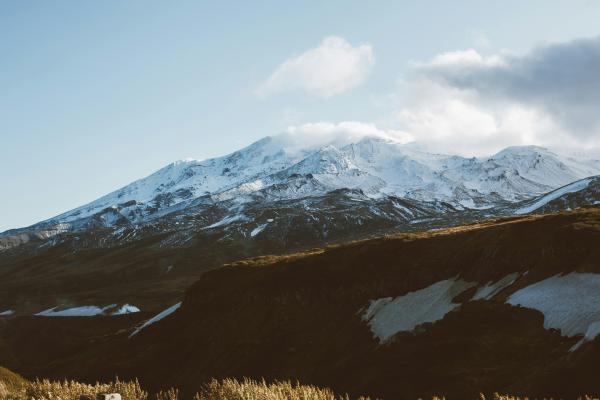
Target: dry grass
[228,389]
[10,383]
[70,390]
[497,396]
[231,389]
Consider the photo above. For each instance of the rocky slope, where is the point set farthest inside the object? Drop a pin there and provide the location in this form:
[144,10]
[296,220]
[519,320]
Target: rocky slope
[278,169]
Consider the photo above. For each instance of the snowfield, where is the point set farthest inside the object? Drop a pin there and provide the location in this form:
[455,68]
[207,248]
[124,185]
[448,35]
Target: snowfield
[388,316]
[572,188]
[126,309]
[89,311]
[570,303]
[157,317]
[258,229]
[491,289]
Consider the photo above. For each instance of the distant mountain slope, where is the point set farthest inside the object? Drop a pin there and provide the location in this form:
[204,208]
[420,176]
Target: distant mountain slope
[274,168]
[456,311]
[569,197]
[151,266]
[144,243]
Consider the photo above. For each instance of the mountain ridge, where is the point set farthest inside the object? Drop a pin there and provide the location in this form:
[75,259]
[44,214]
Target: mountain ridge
[168,229]
[377,166]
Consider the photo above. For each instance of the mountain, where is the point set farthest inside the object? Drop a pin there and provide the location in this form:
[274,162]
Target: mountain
[507,305]
[277,168]
[143,244]
[399,273]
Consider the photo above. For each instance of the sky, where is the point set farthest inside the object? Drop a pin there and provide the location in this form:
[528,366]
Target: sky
[94,95]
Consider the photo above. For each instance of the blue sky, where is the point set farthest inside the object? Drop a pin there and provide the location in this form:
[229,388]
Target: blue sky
[94,95]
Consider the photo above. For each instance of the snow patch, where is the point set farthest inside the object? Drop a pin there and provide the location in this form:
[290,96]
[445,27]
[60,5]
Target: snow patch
[570,303]
[388,316]
[572,188]
[85,311]
[592,332]
[258,229]
[89,311]
[491,289]
[126,309]
[157,318]
[227,220]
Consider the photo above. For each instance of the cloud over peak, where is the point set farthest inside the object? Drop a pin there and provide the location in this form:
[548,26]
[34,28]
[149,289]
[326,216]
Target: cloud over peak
[463,101]
[333,67]
[560,79]
[477,104]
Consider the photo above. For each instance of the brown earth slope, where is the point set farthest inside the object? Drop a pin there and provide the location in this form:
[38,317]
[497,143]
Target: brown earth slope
[299,317]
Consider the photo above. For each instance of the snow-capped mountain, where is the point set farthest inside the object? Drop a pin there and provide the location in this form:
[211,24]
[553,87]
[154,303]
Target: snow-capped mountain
[274,170]
[274,196]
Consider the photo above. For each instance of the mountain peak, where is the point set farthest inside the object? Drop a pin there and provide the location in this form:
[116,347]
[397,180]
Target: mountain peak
[377,165]
[522,151]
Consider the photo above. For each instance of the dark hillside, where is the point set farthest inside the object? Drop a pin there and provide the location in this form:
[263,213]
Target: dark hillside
[299,317]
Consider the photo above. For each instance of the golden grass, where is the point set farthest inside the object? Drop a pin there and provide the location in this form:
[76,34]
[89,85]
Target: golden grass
[71,390]
[497,396]
[10,378]
[231,389]
[12,388]
[10,383]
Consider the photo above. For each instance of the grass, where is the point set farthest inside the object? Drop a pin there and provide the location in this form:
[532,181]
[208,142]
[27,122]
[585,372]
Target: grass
[228,389]
[231,389]
[13,387]
[10,383]
[10,378]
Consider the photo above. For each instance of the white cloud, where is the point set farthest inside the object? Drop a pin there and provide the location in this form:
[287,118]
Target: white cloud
[473,104]
[461,59]
[333,67]
[465,102]
[338,134]
[560,80]
[449,120]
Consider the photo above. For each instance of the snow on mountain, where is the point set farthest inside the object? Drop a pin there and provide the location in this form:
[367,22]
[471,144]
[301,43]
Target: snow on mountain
[560,299]
[388,316]
[515,173]
[574,195]
[542,201]
[156,318]
[89,311]
[188,179]
[280,167]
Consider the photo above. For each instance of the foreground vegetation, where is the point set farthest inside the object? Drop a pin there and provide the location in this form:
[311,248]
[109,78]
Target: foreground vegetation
[13,387]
